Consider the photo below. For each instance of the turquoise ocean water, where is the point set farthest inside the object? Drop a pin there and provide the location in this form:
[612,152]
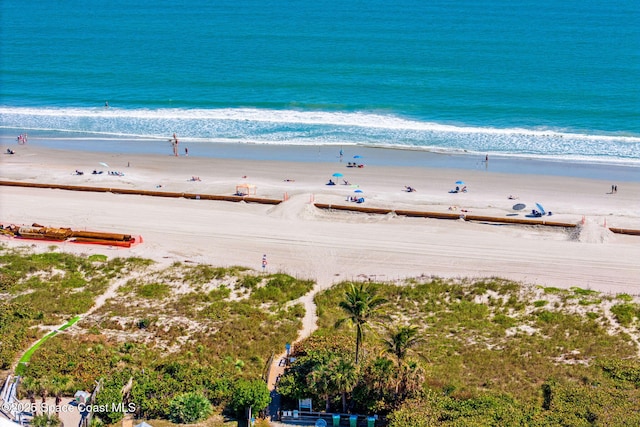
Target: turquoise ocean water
[547,79]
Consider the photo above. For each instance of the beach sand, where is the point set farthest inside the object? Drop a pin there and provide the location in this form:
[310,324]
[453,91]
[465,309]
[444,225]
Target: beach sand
[330,246]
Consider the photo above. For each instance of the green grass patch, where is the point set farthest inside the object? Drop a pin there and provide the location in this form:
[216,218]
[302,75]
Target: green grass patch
[584,292]
[281,288]
[624,297]
[154,291]
[554,290]
[626,313]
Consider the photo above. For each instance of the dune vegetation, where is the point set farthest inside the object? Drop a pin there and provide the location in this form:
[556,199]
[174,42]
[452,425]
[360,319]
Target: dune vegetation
[191,338]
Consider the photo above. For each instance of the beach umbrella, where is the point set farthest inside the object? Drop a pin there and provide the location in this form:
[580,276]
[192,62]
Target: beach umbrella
[459,182]
[540,208]
[358,191]
[104,164]
[519,206]
[338,175]
[357,156]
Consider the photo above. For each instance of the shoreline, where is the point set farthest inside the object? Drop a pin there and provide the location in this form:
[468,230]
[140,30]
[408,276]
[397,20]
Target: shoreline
[392,156]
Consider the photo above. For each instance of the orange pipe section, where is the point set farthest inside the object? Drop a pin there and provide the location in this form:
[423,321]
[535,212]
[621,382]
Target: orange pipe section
[247,199]
[445,215]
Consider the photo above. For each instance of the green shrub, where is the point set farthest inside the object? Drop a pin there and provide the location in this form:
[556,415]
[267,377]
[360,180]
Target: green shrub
[250,282]
[549,316]
[188,408]
[584,292]
[625,297]
[504,320]
[154,291]
[626,313]
[254,394]
[110,397]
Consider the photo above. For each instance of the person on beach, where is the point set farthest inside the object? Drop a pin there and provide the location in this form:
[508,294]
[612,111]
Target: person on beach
[186,151]
[174,142]
[341,155]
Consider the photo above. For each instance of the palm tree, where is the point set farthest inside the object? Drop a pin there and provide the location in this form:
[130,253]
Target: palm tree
[344,376]
[320,382]
[361,304]
[44,392]
[31,387]
[45,420]
[58,386]
[411,379]
[400,341]
[379,378]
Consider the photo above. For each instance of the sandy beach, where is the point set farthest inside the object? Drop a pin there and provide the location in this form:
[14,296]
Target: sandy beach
[330,246]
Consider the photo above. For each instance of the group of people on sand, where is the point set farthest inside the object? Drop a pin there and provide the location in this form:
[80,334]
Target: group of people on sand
[459,190]
[22,138]
[355,199]
[195,178]
[409,189]
[332,182]
[10,151]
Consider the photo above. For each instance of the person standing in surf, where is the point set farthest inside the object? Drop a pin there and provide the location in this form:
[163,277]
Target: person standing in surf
[174,141]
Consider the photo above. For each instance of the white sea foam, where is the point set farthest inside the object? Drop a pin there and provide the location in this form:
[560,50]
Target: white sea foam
[262,126]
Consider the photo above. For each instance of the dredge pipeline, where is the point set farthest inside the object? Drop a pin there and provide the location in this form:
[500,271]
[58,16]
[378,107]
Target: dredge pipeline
[466,217]
[53,234]
[194,196]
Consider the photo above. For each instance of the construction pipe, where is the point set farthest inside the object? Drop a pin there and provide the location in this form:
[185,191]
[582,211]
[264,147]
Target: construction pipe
[142,192]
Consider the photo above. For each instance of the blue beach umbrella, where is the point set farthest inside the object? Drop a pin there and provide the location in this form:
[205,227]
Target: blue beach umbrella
[540,208]
[338,175]
[357,156]
[459,182]
[358,191]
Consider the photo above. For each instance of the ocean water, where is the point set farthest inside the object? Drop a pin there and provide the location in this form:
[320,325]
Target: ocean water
[545,79]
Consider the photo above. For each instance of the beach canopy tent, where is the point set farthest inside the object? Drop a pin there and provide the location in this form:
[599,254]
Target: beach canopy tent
[246,189]
[143,424]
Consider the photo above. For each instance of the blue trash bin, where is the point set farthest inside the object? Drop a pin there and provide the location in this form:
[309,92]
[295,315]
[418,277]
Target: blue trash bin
[371,422]
[336,420]
[353,421]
